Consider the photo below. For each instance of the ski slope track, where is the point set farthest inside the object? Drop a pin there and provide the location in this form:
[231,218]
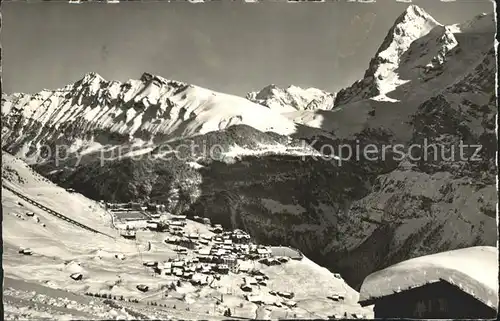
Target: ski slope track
[50,211]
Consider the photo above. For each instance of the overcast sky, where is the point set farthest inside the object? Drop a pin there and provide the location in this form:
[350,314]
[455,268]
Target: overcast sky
[229,47]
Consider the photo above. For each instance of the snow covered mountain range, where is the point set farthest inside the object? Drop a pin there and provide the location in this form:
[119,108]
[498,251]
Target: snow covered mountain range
[292,98]
[95,111]
[427,82]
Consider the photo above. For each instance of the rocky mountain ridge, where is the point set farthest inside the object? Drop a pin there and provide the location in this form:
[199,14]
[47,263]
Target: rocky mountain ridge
[292,98]
[94,112]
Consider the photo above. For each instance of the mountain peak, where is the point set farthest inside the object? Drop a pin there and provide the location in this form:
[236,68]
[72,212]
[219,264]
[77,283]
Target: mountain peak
[415,11]
[91,77]
[292,98]
[146,76]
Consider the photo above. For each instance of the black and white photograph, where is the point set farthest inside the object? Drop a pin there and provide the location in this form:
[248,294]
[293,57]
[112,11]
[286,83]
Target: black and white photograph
[249,159]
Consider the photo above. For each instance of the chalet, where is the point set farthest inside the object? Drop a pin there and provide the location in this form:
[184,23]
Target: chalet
[193,236]
[229,261]
[287,295]
[26,251]
[336,297]
[204,258]
[282,259]
[191,268]
[128,233]
[30,214]
[70,190]
[152,226]
[243,269]
[206,221]
[458,284]
[181,250]
[199,279]
[172,240]
[178,218]
[204,242]
[165,272]
[259,278]
[120,256]
[178,272]
[246,287]
[206,269]
[263,253]
[204,251]
[76,276]
[174,229]
[257,299]
[142,288]
[217,230]
[270,261]
[241,239]
[164,265]
[250,281]
[152,207]
[222,268]
[178,264]
[186,242]
[150,264]
[290,303]
[220,252]
[217,259]
[177,223]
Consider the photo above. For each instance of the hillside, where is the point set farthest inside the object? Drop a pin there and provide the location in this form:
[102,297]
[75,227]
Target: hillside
[40,284]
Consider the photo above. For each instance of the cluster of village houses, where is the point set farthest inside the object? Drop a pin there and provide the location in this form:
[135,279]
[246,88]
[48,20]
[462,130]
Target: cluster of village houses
[204,258]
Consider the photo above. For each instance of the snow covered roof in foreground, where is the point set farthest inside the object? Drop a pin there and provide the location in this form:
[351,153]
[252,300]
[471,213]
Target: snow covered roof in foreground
[474,270]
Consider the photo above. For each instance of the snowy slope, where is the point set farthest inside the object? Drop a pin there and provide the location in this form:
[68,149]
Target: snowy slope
[292,98]
[60,249]
[94,111]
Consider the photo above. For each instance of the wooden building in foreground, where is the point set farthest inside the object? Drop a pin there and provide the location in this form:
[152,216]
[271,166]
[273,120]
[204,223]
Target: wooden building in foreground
[459,284]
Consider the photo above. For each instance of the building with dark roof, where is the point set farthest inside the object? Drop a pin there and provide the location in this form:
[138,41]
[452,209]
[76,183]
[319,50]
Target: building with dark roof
[458,284]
